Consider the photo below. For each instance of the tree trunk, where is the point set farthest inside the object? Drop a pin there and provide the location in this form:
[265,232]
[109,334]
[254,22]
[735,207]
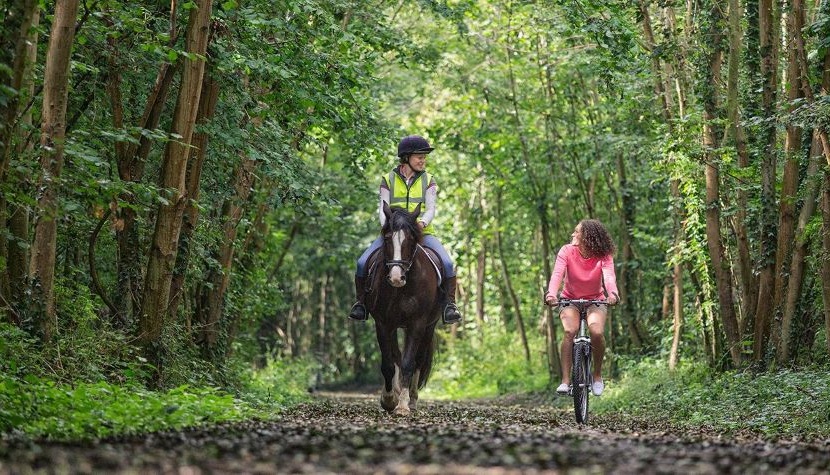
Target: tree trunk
[789,187]
[17,254]
[131,169]
[677,268]
[517,308]
[169,215]
[799,256]
[767,23]
[677,281]
[711,142]
[17,34]
[207,108]
[481,274]
[213,295]
[736,134]
[825,263]
[53,127]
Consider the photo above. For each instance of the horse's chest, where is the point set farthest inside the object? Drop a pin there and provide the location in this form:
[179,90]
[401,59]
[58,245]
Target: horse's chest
[409,305]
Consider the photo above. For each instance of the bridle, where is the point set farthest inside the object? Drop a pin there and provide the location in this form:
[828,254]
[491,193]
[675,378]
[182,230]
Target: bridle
[404,265]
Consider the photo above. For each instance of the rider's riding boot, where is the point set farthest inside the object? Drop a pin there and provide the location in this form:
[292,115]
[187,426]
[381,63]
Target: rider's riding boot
[451,314]
[359,312]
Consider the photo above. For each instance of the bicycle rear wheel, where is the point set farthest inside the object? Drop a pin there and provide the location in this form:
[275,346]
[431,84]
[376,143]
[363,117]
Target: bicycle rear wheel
[581,377]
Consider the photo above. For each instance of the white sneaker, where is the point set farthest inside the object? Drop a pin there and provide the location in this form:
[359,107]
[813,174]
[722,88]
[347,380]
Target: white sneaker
[563,389]
[597,388]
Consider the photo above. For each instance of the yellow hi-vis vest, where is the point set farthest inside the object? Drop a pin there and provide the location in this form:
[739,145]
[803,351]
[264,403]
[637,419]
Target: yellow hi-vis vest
[408,197]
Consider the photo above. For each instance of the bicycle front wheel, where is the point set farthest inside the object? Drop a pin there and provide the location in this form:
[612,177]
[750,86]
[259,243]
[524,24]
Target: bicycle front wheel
[581,377]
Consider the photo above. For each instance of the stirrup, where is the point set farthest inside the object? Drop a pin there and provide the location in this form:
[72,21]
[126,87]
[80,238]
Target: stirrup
[359,312]
[451,314]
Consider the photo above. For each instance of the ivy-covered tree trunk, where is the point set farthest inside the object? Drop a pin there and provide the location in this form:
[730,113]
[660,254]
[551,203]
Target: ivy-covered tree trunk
[789,187]
[164,245]
[53,128]
[767,24]
[15,34]
[16,247]
[825,263]
[711,142]
[737,138]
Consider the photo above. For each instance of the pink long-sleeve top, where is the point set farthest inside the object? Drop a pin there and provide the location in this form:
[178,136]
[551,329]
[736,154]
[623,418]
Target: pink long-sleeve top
[583,277]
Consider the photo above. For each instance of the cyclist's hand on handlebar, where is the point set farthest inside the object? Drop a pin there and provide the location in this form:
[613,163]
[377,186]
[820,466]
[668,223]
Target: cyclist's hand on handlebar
[551,299]
[613,299]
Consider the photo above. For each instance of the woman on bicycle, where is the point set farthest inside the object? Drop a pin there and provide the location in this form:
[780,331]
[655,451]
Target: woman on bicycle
[585,265]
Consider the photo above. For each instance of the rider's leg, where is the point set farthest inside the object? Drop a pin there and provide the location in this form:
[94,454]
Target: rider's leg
[570,324]
[451,313]
[596,327]
[358,311]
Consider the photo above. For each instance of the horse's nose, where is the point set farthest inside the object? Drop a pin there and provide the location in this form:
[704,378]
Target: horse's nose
[395,281]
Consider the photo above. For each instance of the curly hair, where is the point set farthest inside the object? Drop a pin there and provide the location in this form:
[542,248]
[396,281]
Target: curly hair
[595,239]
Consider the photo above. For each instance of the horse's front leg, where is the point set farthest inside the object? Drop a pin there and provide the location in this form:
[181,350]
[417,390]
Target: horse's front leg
[409,373]
[391,372]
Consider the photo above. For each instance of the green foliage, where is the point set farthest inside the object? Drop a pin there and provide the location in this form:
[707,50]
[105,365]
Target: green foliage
[487,365]
[281,382]
[778,405]
[40,408]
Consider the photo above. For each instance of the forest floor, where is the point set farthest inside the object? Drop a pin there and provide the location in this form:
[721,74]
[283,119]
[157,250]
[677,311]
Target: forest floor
[349,433]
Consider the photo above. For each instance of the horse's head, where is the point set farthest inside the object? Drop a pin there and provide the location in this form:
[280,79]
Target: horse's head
[401,235]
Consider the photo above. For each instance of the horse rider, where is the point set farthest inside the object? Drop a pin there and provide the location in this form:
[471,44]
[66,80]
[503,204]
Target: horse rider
[406,186]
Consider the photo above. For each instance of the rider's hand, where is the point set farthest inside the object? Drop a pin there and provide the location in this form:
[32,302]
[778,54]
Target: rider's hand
[613,299]
[421,225]
[551,299]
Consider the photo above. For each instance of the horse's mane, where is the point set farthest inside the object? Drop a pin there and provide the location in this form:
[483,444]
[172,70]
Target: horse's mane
[403,219]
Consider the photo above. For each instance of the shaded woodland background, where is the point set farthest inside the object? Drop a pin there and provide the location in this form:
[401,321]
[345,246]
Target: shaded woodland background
[186,186]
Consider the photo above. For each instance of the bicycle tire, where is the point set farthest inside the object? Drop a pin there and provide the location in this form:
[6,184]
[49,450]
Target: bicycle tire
[581,377]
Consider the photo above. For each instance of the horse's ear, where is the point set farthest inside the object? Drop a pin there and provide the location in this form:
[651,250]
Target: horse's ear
[386,211]
[416,211]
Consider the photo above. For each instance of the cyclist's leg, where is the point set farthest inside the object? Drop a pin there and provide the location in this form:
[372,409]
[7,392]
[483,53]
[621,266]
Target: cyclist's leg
[596,326]
[570,324]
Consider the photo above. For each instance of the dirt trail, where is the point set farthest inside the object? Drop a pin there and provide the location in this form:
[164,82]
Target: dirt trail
[348,433]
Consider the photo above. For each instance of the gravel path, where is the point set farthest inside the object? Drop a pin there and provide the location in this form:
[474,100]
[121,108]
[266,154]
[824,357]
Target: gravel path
[348,433]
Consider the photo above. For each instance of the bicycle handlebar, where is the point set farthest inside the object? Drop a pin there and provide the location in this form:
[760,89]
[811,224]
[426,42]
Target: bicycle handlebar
[565,302]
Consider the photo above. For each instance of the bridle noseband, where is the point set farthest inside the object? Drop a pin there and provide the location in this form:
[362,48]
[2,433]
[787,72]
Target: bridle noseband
[404,265]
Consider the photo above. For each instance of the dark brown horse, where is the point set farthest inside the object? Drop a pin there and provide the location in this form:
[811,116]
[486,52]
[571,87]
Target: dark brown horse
[404,294]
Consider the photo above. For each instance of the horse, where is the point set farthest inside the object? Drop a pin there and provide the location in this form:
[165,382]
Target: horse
[404,293]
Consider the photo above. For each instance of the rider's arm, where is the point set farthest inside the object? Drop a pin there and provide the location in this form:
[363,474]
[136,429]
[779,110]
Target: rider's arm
[430,200]
[558,272]
[609,276]
[384,196]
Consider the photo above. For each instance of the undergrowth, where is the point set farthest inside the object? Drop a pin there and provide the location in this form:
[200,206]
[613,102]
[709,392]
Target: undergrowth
[90,382]
[487,364]
[780,404]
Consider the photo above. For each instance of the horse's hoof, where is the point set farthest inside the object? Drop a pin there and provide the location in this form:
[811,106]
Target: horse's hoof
[388,404]
[402,411]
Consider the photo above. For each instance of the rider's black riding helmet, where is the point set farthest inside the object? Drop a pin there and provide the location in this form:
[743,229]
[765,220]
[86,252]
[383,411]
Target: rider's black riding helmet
[412,144]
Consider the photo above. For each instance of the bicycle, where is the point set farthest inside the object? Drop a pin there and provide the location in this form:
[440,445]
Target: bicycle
[581,376]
